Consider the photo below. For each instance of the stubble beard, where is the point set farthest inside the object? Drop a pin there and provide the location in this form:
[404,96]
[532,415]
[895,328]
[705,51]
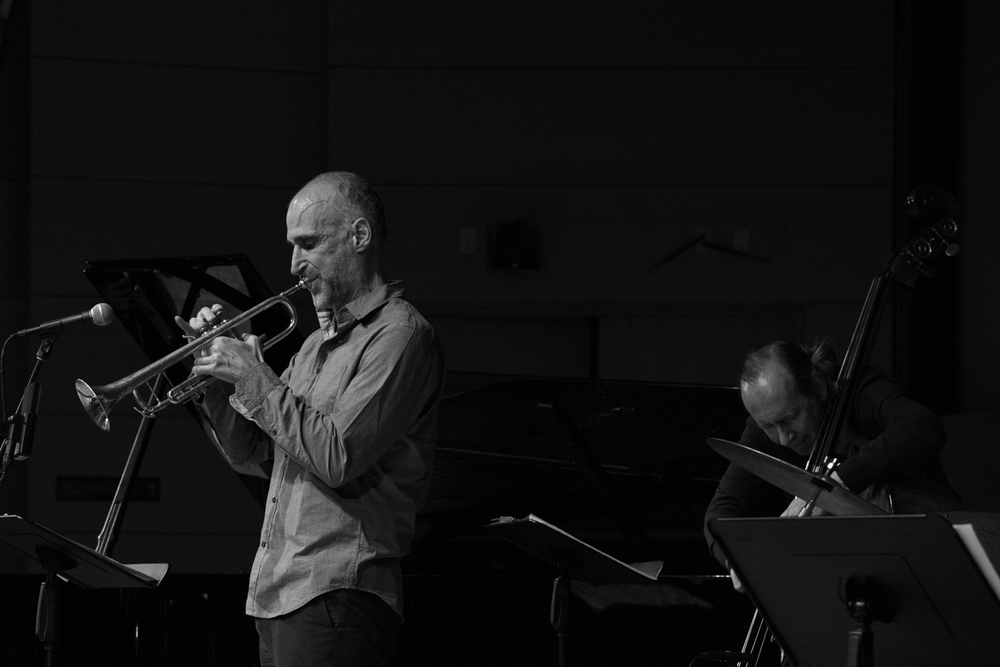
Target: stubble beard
[334,290]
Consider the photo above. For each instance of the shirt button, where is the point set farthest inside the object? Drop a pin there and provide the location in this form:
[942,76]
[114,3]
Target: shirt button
[263,544]
[274,500]
[274,431]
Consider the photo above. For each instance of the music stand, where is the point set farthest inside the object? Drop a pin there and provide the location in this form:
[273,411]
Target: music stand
[888,590]
[573,558]
[65,559]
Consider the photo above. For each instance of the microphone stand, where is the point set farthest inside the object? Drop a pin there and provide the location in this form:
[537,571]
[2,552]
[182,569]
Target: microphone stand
[20,434]
[20,426]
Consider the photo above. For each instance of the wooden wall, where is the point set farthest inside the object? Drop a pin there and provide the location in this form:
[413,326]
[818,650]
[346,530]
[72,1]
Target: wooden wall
[619,133]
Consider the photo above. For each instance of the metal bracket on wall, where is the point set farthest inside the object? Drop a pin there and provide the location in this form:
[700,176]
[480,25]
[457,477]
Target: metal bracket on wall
[702,241]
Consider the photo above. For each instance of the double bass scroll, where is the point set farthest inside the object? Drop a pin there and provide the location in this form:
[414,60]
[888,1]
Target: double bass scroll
[901,272]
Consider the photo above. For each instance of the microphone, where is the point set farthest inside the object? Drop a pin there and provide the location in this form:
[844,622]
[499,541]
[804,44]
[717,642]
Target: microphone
[101,315]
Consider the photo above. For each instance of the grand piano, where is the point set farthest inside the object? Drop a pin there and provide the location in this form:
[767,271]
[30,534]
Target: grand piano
[622,466]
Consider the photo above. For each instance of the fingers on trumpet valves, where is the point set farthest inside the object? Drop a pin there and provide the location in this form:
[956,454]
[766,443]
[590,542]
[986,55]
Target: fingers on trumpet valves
[212,317]
[202,323]
[207,318]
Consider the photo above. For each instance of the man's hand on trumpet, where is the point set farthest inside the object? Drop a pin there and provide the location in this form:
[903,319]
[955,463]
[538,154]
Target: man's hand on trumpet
[225,357]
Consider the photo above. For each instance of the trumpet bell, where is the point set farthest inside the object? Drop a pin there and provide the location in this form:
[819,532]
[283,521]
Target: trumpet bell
[94,405]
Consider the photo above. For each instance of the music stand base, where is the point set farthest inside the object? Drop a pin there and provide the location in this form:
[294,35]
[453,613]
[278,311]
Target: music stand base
[47,619]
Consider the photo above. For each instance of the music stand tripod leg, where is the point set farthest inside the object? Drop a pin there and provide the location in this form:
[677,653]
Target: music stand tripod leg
[860,646]
[48,619]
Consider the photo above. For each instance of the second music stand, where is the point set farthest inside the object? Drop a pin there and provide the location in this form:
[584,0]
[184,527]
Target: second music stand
[868,590]
[575,559]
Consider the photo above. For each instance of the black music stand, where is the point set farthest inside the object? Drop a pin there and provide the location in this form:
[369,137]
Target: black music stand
[64,559]
[868,590]
[573,558]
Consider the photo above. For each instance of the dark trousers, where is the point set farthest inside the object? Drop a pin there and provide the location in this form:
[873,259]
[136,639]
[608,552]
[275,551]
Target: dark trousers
[343,627]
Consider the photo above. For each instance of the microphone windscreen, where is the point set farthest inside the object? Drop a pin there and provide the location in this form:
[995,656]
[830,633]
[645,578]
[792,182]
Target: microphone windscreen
[102,314]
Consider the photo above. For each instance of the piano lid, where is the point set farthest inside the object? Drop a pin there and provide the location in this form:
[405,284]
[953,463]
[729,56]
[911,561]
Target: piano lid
[635,429]
[605,460]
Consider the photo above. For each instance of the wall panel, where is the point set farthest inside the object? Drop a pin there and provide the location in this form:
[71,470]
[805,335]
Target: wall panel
[189,125]
[514,343]
[607,244]
[705,347]
[102,219]
[644,34]
[980,233]
[284,36]
[631,127]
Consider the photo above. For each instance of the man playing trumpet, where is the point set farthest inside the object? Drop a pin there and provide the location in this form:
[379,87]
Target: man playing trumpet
[350,427]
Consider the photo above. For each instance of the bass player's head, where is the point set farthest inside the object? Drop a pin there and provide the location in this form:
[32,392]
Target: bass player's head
[785,388]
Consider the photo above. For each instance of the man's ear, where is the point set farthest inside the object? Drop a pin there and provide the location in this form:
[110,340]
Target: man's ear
[362,234]
[822,389]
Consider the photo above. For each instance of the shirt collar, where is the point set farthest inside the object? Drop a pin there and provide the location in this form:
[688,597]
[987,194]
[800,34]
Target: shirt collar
[334,322]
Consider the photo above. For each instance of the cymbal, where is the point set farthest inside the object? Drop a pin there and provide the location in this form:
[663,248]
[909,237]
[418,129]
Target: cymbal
[829,495]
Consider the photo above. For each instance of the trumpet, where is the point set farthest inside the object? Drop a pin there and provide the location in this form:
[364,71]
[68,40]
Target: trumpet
[98,401]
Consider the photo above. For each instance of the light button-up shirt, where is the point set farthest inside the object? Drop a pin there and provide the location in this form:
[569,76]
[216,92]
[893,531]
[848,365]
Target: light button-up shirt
[351,425]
